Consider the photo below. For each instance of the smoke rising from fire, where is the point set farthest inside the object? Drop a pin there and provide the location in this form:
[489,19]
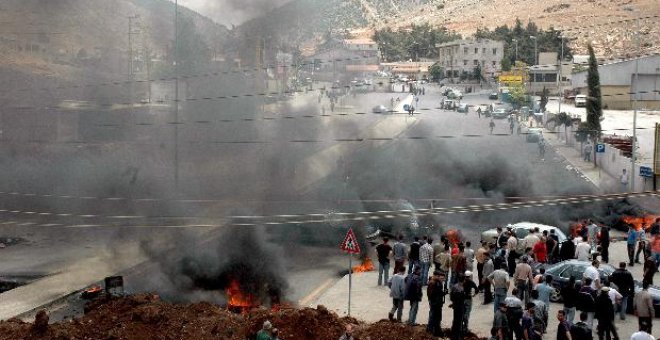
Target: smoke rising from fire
[230,12]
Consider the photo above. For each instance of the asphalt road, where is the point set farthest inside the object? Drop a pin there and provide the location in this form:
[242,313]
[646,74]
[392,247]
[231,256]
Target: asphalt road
[350,160]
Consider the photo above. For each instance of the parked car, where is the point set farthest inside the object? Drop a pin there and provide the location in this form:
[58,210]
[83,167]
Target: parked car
[580,100]
[500,113]
[521,229]
[455,95]
[493,96]
[533,135]
[462,108]
[561,273]
[449,104]
[379,109]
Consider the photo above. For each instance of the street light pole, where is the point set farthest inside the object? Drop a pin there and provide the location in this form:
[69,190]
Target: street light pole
[176,95]
[635,95]
[536,56]
[561,64]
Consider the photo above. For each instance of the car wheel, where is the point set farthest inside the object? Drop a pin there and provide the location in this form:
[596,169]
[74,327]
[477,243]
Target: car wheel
[555,296]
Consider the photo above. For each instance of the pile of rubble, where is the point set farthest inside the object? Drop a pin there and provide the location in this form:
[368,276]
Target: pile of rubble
[147,317]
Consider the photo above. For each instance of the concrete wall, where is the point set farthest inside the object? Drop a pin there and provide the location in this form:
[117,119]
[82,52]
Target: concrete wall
[619,98]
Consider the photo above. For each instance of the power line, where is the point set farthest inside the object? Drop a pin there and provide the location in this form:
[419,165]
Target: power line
[315,218]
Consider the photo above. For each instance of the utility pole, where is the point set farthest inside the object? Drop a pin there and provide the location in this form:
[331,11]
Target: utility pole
[635,95]
[561,65]
[176,95]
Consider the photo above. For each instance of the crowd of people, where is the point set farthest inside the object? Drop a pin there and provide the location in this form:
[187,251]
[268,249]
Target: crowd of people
[510,263]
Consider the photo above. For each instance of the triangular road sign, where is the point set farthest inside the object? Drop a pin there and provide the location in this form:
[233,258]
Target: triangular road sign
[350,244]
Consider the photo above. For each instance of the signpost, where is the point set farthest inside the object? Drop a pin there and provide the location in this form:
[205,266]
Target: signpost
[645,171]
[351,246]
[600,148]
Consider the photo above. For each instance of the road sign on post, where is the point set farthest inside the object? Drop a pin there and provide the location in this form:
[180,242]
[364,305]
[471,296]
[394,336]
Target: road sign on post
[600,148]
[645,171]
[351,246]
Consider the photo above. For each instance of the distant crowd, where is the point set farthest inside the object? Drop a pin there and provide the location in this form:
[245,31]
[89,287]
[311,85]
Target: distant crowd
[509,262]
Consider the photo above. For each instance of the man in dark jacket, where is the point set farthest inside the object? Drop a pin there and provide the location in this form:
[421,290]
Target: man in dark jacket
[457,297]
[580,330]
[623,279]
[605,243]
[413,255]
[605,315]
[436,294]
[586,301]
[567,251]
[413,293]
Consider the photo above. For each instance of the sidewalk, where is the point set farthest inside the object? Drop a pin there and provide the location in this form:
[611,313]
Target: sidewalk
[604,182]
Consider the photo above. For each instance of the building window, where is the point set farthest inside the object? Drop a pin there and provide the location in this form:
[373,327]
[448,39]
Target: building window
[483,63]
[465,50]
[483,50]
[495,51]
[464,62]
[475,62]
[476,50]
[494,63]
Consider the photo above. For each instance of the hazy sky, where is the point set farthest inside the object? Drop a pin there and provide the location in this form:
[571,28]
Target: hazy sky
[229,12]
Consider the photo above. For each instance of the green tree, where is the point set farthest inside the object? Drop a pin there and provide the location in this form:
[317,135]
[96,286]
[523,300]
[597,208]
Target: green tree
[436,71]
[562,119]
[594,99]
[544,99]
[477,72]
[518,95]
[506,64]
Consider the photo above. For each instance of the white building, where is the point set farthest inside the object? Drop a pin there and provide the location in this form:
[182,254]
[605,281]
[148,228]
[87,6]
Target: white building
[462,56]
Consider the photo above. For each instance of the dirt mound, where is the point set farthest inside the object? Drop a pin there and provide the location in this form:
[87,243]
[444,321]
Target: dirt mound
[147,317]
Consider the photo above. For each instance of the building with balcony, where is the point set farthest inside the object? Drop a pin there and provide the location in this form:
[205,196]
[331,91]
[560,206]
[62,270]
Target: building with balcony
[462,56]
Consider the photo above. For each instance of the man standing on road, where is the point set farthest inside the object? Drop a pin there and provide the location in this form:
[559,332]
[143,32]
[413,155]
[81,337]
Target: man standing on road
[512,246]
[567,251]
[623,279]
[564,327]
[650,268]
[592,232]
[592,273]
[425,259]
[399,251]
[413,255]
[471,290]
[469,256]
[437,250]
[643,304]
[383,250]
[435,293]
[457,297]
[631,240]
[500,322]
[397,292]
[641,244]
[413,293]
[514,313]
[523,279]
[479,256]
[586,301]
[458,263]
[605,243]
[540,251]
[581,330]
[623,179]
[500,281]
[605,315]
[569,295]
[583,250]
[488,269]
[545,289]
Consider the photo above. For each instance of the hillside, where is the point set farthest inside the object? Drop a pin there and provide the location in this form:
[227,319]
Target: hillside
[607,24]
[51,37]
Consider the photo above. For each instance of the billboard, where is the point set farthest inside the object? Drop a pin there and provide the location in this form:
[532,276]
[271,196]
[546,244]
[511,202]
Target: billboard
[511,79]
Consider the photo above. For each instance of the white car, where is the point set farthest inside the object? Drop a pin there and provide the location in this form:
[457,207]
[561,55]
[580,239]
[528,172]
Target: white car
[521,229]
[580,100]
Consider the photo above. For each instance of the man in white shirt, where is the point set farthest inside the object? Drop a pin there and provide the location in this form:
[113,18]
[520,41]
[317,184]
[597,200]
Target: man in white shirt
[592,273]
[583,250]
[592,233]
[624,181]
[531,239]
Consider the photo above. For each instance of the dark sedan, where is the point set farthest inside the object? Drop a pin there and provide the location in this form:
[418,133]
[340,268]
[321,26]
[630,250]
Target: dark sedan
[562,272]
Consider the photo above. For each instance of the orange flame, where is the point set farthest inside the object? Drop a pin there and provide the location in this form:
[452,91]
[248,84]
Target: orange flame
[237,299]
[638,221]
[366,266]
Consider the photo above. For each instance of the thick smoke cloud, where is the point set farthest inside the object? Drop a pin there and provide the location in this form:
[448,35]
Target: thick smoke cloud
[230,12]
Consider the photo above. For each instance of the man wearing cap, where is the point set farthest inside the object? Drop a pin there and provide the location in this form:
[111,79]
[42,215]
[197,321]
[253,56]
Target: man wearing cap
[605,315]
[265,332]
[471,290]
